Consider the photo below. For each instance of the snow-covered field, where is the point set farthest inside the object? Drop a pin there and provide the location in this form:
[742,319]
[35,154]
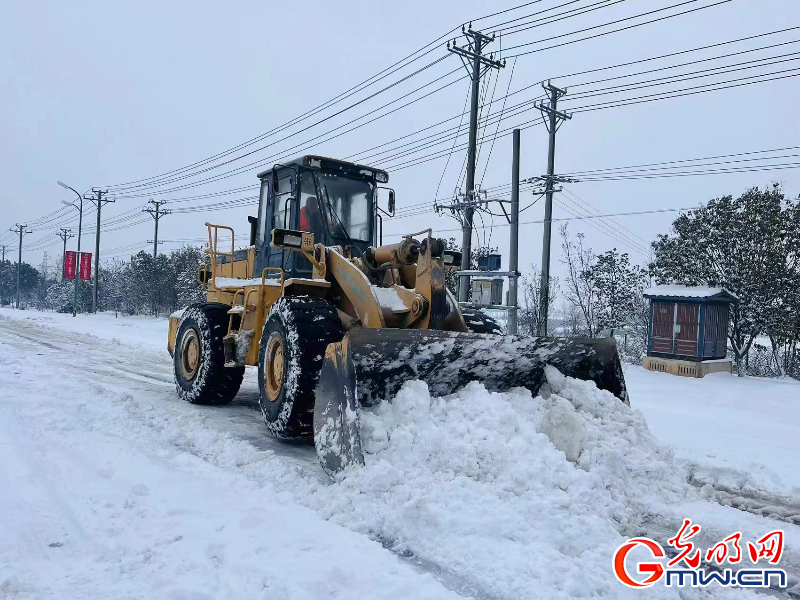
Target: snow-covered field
[110,487]
[746,428]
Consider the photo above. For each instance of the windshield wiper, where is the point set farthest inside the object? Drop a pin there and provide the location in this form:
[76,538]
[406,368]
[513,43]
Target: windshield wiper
[335,214]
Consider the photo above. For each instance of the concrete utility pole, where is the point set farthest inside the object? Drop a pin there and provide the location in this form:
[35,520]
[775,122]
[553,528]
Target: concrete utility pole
[476,65]
[21,230]
[65,234]
[98,201]
[156,213]
[513,254]
[552,122]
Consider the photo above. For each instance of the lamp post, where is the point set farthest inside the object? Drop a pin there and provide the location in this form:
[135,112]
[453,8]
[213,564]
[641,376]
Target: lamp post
[79,207]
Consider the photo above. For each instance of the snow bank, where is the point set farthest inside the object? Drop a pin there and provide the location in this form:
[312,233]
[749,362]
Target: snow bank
[512,493]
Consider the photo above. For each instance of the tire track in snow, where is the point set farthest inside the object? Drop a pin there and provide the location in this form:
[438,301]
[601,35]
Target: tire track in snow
[757,502]
[150,372]
[660,529]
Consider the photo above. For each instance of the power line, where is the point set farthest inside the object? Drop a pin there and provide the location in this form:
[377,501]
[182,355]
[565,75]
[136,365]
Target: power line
[614,224]
[685,160]
[231,173]
[502,110]
[601,224]
[604,231]
[581,218]
[431,46]
[216,178]
[348,93]
[683,77]
[597,35]
[297,148]
[673,94]
[141,187]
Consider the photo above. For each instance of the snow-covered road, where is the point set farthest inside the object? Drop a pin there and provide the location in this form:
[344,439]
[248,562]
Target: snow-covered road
[111,487]
[107,492]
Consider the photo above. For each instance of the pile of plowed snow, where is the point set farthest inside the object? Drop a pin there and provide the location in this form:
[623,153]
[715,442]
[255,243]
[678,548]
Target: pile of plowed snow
[511,493]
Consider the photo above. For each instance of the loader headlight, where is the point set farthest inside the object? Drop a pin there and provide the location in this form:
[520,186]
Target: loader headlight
[290,239]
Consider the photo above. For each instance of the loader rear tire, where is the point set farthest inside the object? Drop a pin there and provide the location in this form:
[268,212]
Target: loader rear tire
[198,362]
[478,322]
[292,348]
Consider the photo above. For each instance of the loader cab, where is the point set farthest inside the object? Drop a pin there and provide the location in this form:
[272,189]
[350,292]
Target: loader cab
[335,200]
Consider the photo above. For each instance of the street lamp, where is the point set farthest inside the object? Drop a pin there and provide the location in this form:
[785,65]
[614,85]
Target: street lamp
[78,255]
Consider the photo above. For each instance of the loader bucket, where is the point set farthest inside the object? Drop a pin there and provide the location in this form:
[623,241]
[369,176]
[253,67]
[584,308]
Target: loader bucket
[370,365]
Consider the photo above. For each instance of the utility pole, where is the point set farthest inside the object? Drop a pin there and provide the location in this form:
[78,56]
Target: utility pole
[513,254]
[98,201]
[476,65]
[156,213]
[21,230]
[552,122]
[65,234]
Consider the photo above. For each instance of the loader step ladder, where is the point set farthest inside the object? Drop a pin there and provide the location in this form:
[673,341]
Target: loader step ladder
[234,357]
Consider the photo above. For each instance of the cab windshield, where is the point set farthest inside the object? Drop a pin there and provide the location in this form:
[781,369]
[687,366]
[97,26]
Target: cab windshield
[350,200]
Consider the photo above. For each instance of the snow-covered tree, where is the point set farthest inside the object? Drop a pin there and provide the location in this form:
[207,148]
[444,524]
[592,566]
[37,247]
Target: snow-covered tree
[579,288]
[530,314]
[618,287]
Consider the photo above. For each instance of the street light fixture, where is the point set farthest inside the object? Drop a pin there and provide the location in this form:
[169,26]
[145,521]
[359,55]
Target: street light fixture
[79,207]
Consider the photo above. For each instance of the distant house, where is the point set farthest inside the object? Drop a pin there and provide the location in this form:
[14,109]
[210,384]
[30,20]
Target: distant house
[688,329]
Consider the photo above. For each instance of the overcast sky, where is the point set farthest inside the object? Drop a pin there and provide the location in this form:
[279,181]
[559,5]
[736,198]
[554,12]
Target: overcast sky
[98,94]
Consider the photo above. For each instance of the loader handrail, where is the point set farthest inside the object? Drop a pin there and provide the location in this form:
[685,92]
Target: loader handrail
[264,275]
[212,247]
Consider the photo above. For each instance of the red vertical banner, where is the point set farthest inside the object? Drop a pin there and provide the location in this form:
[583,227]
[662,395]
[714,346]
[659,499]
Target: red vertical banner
[69,264]
[86,265]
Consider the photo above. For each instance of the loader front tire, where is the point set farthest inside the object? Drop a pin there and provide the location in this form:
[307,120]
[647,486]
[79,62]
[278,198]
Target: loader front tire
[478,322]
[292,348]
[198,362]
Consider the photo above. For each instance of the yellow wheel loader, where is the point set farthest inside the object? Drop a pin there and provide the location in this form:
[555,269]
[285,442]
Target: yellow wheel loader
[335,320]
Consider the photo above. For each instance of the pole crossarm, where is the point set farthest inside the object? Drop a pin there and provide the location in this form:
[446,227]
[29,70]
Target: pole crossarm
[484,60]
[554,116]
